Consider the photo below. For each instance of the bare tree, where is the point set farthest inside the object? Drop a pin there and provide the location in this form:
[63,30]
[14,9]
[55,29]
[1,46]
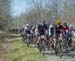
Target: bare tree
[49,9]
[5,13]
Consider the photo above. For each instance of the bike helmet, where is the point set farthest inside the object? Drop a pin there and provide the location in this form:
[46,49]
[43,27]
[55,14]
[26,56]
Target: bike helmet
[58,22]
[27,25]
[44,21]
[65,24]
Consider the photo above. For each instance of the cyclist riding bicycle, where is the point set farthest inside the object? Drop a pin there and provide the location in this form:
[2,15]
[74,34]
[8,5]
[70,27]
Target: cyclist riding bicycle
[51,30]
[41,31]
[58,28]
[27,30]
[66,30]
[45,25]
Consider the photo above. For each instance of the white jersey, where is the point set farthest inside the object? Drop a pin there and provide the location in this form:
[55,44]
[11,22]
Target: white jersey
[50,26]
[73,33]
[36,31]
[25,28]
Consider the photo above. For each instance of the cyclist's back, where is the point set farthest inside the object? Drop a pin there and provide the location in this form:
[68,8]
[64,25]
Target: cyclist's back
[59,29]
[41,29]
[51,30]
[27,30]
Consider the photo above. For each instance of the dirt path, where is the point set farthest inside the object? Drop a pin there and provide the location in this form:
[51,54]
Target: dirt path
[52,57]
[4,51]
[49,57]
[56,58]
[3,46]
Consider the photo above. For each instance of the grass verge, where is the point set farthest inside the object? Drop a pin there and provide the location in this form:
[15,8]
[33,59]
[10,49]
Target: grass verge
[20,52]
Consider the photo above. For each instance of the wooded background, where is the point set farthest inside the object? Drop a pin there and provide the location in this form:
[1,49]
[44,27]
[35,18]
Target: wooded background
[38,11]
[5,14]
[47,10]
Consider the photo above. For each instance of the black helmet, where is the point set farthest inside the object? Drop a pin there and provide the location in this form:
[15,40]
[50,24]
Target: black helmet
[44,22]
[65,24]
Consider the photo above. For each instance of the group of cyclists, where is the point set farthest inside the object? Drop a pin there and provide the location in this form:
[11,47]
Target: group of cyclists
[55,36]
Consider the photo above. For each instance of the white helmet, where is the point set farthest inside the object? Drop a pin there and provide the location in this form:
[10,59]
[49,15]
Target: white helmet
[27,24]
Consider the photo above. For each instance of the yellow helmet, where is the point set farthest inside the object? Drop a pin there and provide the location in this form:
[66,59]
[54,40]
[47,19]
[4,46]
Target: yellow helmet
[58,21]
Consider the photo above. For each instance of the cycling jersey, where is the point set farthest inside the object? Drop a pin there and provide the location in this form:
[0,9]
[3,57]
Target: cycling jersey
[51,30]
[27,30]
[45,26]
[33,31]
[41,30]
[66,31]
[59,29]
